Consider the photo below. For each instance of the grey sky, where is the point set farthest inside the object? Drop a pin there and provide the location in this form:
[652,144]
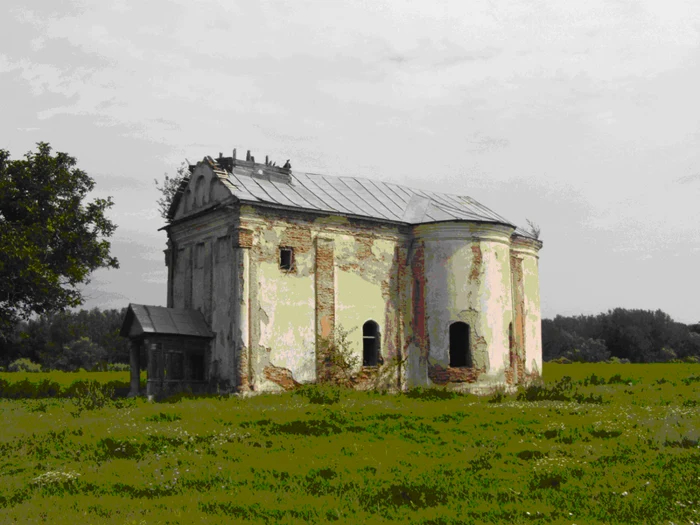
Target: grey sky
[581,116]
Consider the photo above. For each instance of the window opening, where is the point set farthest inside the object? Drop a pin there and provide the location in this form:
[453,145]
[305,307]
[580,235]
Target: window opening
[197,367]
[370,344]
[175,366]
[460,355]
[286,259]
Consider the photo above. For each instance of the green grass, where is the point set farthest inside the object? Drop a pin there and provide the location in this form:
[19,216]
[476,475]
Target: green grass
[34,385]
[624,453]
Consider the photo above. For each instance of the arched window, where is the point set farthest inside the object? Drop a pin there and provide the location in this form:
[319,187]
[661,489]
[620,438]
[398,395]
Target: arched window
[370,344]
[199,191]
[460,353]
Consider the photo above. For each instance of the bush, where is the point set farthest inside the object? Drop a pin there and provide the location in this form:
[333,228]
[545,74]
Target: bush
[431,394]
[319,394]
[89,395]
[82,354]
[559,391]
[561,361]
[118,367]
[24,365]
[617,361]
[339,360]
[498,395]
[593,380]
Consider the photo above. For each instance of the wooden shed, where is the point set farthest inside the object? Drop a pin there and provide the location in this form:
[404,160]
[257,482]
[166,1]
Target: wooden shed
[176,342]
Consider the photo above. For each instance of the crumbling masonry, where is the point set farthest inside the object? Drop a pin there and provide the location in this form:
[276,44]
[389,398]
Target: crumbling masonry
[434,287]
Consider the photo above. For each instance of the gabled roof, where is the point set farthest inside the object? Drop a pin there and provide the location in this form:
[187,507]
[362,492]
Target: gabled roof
[143,319]
[254,183]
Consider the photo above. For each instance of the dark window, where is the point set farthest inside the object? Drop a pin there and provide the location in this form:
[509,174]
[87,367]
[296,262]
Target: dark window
[286,258]
[197,367]
[155,361]
[175,366]
[370,344]
[460,355]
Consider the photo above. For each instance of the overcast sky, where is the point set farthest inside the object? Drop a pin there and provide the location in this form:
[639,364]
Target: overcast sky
[580,116]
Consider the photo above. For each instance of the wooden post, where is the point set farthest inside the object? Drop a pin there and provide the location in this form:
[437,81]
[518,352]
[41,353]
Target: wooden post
[135,372]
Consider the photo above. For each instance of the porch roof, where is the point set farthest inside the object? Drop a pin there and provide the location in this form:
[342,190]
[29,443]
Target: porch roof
[144,319]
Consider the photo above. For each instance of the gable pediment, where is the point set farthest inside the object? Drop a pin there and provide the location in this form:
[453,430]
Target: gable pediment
[203,189]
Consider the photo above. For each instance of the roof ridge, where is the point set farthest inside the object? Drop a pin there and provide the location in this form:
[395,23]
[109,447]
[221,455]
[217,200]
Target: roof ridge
[353,195]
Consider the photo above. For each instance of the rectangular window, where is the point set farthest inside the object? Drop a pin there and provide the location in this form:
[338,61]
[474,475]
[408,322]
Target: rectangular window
[155,370]
[175,366]
[197,367]
[286,259]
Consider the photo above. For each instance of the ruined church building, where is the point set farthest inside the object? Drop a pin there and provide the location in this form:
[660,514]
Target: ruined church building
[266,264]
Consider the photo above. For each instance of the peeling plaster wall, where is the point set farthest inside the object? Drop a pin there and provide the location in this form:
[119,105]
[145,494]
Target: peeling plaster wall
[467,278]
[414,282]
[366,270]
[532,322]
[296,307]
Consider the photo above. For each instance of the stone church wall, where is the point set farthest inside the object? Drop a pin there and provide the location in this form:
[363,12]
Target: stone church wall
[344,274]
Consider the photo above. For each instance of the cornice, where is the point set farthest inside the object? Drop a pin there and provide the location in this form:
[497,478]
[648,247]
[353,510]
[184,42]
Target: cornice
[464,231]
[525,245]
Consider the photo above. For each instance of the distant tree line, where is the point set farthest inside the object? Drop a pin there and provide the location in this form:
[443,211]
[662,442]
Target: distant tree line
[637,336]
[87,339]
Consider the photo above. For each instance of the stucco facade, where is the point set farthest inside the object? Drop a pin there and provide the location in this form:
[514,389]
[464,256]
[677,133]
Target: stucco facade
[445,295]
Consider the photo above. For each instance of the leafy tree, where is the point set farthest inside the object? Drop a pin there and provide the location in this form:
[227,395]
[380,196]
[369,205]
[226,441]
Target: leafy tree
[641,336]
[169,188]
[23,365]
[82,353]
[586,350]
[51,238]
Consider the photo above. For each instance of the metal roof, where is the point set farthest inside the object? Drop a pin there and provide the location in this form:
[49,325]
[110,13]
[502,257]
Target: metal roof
[166,321]
[355,196]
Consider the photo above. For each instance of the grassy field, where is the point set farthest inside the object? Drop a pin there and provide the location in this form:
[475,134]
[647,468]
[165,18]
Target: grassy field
[612,444]
[22,385]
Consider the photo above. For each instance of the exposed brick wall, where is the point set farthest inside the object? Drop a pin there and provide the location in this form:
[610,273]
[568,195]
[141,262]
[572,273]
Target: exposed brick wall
[325,298]
[518,349]
[420,328]
[243,238]
[441,375]
[364,246]
[477,262]
[241,308]
[297,237]
[281,376]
